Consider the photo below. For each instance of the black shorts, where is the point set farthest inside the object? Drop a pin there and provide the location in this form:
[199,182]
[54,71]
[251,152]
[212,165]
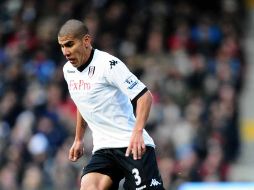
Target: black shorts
[138,174]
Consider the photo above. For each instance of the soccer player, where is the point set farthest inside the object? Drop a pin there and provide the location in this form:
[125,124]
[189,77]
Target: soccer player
[104,91]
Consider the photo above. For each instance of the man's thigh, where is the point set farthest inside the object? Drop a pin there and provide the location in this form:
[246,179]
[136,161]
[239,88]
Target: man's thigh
[95,180]
[102,170]
[142,173]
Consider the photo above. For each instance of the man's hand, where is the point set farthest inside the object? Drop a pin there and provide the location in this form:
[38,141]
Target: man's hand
[76,151]
[137,146]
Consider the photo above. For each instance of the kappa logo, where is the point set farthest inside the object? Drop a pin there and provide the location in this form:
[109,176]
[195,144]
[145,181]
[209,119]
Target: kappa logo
[154,182]
[112,63]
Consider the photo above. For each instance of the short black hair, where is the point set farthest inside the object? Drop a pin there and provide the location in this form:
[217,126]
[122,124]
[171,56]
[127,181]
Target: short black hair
[73,27]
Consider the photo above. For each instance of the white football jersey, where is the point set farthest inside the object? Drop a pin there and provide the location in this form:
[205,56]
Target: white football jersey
[102,90]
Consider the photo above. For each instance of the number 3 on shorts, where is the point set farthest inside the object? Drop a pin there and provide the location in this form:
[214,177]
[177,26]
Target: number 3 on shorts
[135,172]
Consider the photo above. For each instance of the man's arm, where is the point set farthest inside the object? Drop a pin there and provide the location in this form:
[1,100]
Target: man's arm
[77,149]
[137,145]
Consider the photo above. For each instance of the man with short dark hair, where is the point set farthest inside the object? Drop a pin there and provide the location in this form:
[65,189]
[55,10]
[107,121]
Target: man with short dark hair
[104,89]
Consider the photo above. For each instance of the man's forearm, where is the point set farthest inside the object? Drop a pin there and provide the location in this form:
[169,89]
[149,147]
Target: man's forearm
[143,109]
[80,127]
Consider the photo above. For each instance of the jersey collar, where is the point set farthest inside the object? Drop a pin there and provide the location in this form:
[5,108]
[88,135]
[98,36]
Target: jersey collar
[83,66]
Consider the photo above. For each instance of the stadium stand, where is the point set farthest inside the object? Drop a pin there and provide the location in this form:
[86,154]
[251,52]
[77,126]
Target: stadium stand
[189,54]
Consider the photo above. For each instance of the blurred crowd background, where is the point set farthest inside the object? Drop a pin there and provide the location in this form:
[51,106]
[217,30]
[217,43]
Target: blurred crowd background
[188,53]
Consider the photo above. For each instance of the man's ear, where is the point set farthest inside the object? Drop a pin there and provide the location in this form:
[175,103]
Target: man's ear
[86,40]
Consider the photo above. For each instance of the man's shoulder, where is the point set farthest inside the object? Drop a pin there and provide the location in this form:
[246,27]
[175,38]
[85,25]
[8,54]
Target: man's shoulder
[107,59]
[103,55]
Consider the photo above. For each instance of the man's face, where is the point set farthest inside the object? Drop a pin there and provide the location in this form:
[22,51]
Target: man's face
[74,49]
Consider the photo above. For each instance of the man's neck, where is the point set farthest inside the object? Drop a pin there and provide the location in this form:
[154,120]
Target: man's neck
[87,62]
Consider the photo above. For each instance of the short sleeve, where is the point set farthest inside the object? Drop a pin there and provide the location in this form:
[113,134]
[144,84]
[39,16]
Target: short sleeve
[118,75]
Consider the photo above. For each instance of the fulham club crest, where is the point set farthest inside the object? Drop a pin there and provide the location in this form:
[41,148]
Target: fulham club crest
[91,70]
